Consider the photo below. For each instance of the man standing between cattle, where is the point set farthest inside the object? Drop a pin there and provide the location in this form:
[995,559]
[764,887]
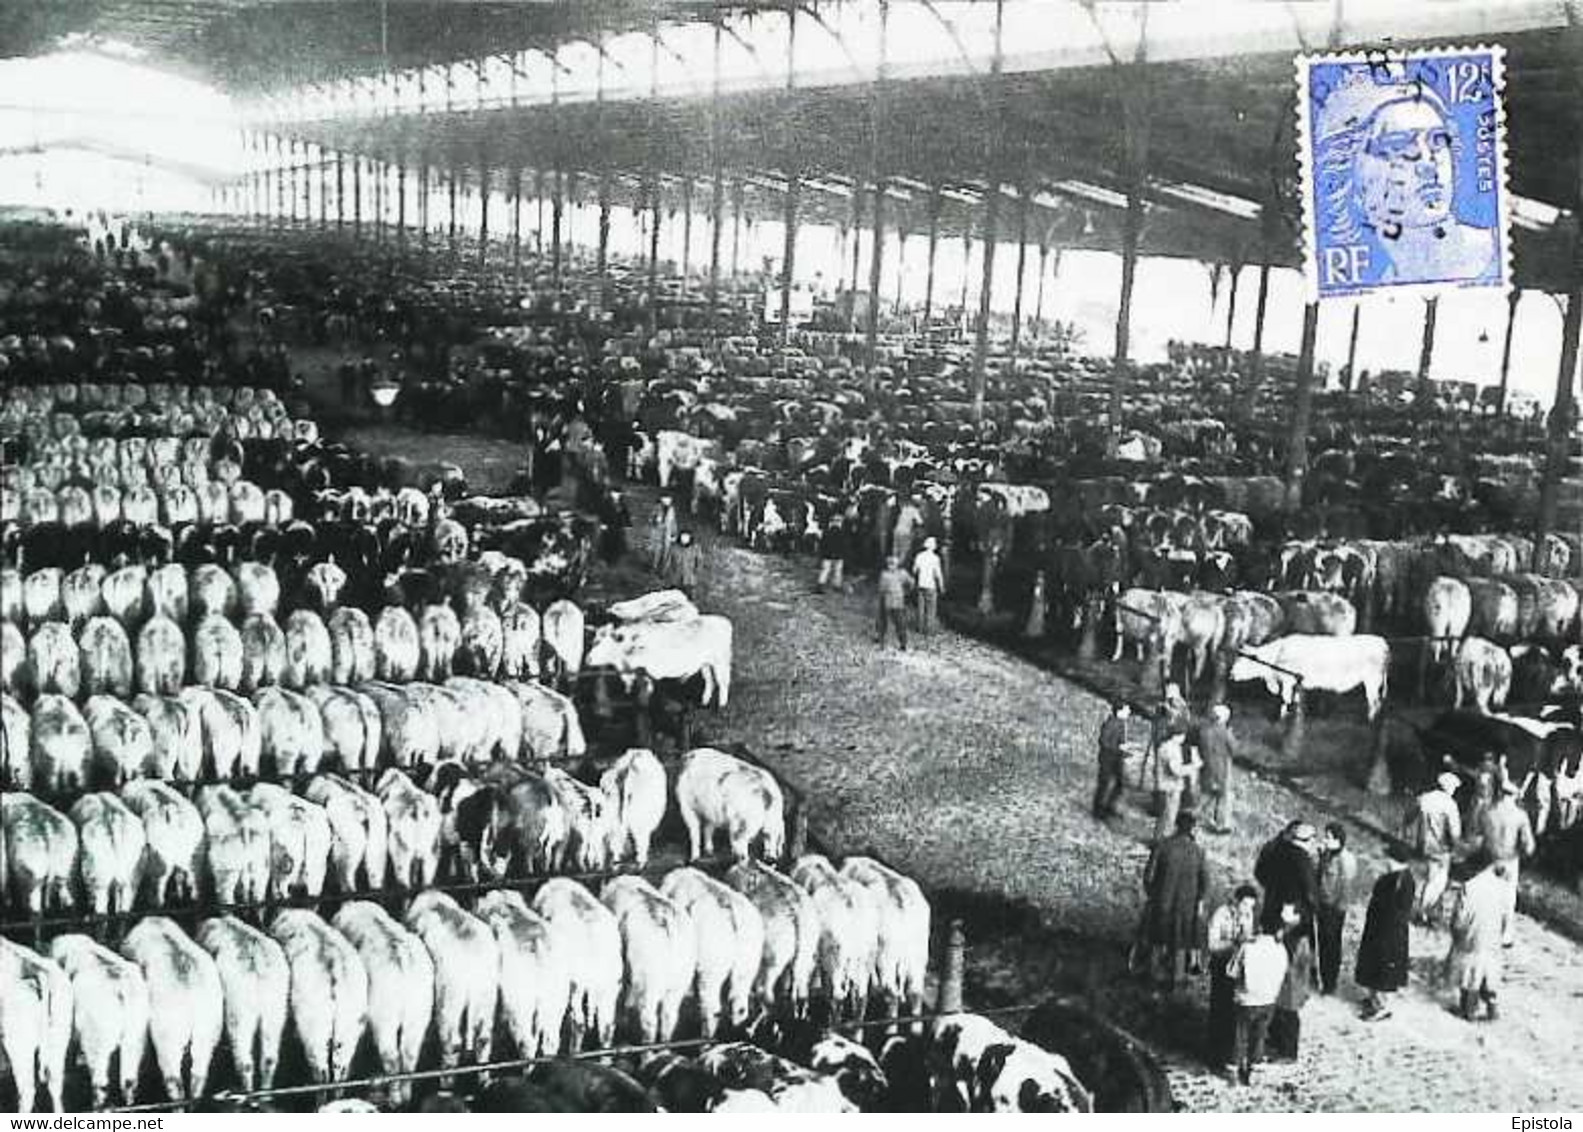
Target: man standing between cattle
[1112,760]
[1434,828]
[1217,746]
[930,579]
[893,585]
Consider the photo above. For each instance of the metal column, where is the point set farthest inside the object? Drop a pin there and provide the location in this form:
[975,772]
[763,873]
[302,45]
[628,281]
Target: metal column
[1352,347]
[1022,271]
[556,207]
[1426,353]
[516,228]
[934,246]
[603,254]
[654,250]
[789,259]
[357,197]
[687,228]
[876,265]
[1506,349]
[450,175]
[340,190]
[1563,414]
[981,330]
[857,243]
[736,228]
[717,199]
[280,180]
[483,212]
[401,203]
[1231,301]
[1302,411]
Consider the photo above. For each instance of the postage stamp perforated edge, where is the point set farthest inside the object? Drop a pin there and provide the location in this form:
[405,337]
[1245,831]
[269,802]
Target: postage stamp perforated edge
[1302,65]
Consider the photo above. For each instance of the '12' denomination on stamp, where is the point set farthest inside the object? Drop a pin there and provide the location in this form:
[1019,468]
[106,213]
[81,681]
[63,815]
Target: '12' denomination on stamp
[1403,157]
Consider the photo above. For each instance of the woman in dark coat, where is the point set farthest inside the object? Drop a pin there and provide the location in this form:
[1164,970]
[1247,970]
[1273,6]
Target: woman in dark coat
[1177,881]
[1383,950]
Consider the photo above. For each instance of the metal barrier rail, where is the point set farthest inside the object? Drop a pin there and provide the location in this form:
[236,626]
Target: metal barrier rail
[513,1064]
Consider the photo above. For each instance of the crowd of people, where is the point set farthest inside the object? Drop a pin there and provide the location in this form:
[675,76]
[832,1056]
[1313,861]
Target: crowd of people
[1279,936]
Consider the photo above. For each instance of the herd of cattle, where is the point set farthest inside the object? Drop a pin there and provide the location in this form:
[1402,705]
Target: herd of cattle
[287,742]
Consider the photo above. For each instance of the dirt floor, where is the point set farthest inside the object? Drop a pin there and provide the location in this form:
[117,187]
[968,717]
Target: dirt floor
[970,768]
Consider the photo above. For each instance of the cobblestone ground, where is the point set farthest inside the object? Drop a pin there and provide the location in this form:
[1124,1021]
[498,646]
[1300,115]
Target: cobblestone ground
[970,769]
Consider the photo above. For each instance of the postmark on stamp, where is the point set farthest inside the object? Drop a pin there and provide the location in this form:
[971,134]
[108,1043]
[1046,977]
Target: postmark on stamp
[1403,157]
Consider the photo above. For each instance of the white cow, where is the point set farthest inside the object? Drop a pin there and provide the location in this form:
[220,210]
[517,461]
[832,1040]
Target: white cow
[1300,662]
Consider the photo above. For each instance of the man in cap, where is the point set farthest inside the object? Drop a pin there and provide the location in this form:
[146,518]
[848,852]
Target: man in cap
[1290,875]
[1508,837]
[893,585]
[1479,927]
[662,535]
[1176,880]
[1434,828]
[1112,760]
[1217,746]
[1338,874]
[929,577]
[909,521]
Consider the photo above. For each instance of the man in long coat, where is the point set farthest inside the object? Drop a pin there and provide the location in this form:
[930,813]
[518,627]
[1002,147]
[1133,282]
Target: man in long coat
[1290,875]
[1177,880]
[1383,949]
[1477,928]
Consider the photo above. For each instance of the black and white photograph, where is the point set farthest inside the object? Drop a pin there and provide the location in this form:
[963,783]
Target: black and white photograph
[791,556]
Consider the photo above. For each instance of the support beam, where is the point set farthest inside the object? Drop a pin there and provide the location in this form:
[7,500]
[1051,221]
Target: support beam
[1352,346]
[1038,293]
[1512,300]
[1022,272]
[557,210]
[687,228]
[654,251]
[516,227]
[357,197]
[981,330]
[901,267]
[1242,403]
[1563,414]
[280,179]
[1231,301]
[450,175]
[603,253]
[789,256]
[934,247]
[340,190]
[483,212]
[1302,412]
[425,185]
[401,203]
[538,223]
[717,199]
[736,228]
[967,269]
[1426,354]
[857,242]
[876,266]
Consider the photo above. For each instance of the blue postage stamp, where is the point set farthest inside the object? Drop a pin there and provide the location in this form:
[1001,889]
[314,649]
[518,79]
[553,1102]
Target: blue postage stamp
[1403,157]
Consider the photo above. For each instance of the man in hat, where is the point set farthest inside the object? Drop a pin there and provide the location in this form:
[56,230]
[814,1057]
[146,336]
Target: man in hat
[1383,949]
[909,521]
[1177,881]
[834,544]
[1177,767]
[685,562]
[1217,746]
[662,535]
[1478,929]
[1112,760]
[1434,828]
[893,585]
[1508,837]
[929,577]
[1338,874]
[1289,873]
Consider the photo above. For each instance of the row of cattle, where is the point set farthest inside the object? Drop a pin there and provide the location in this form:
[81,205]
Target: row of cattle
[95,631]
[564,969]
[213,735]
[227,846]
